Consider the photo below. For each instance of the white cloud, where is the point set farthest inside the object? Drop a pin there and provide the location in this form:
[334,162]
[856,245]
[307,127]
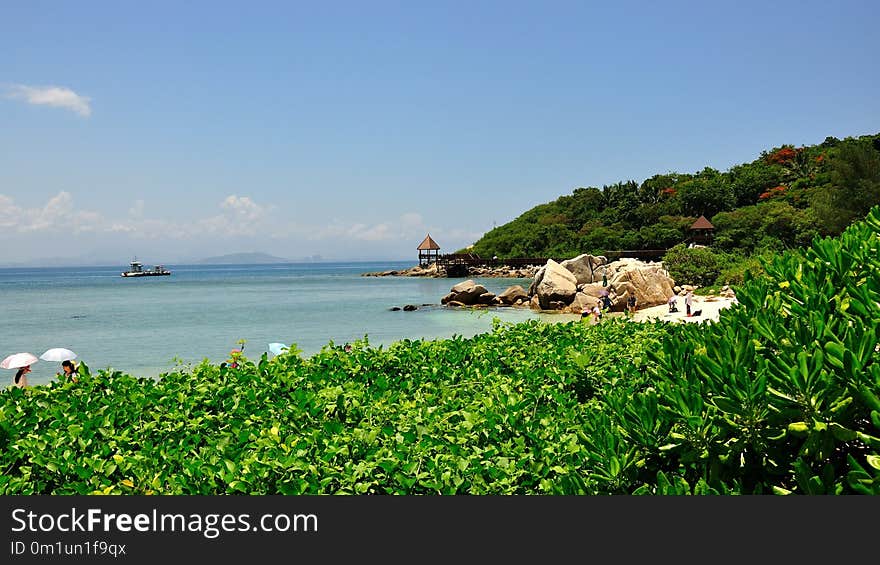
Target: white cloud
[10,214]
[57,215]
[240,216]
[56,96]
[56,212]
[243,207]
[234,218]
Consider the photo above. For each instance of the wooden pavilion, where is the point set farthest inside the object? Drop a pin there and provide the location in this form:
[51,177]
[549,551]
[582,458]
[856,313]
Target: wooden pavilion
[429,251]
[702,231]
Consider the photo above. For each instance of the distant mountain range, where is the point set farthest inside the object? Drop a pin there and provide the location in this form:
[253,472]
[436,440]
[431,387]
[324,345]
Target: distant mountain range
[242,259]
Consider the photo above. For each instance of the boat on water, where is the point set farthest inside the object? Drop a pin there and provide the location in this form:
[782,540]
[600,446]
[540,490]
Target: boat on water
[136,269]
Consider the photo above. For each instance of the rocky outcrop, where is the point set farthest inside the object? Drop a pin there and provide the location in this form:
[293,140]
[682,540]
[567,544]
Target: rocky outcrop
[473,295]
[577,283]
[513,294]
[503,271]
[573,285]
[486,298]
[468,293]
[586,268]
[649,282]
[581,301]
[433,271]
[557,286]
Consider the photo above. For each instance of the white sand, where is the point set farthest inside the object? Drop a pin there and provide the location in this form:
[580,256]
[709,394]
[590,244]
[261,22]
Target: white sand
[710,305]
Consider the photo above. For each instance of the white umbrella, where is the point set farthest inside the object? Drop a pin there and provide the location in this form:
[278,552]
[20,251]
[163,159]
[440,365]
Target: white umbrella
[277,348]
[58,354]
[18,360]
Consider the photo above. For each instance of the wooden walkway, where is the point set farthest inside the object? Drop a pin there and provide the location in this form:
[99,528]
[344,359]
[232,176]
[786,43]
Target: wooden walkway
[459,264]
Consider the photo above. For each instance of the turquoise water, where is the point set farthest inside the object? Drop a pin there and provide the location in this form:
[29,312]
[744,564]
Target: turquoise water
[142,325]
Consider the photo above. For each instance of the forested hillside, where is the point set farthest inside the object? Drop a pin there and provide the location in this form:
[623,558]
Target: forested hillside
[780,200]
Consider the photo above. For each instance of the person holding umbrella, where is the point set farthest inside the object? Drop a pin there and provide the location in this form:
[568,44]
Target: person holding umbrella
[22,362]
[70,372]
[21,377]
[66,356]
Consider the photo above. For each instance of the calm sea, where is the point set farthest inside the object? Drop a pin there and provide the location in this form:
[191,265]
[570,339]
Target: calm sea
[147,326]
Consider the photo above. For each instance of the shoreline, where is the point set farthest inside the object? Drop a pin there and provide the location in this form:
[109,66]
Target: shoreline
[711,305]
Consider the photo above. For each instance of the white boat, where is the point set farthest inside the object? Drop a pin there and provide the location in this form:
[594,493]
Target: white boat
[137,270]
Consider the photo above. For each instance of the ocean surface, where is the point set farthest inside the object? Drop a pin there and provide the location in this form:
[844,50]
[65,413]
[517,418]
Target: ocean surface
[150,325]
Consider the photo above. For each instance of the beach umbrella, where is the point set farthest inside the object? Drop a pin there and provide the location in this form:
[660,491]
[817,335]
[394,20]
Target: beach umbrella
[58,354]
[18,360]
[277,348]
[603,292]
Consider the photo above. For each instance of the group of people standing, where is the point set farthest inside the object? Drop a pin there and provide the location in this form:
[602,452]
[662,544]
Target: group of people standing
[604,303]
[68,371]
[688,303]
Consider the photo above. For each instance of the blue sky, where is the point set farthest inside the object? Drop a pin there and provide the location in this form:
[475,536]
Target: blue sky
[179,130]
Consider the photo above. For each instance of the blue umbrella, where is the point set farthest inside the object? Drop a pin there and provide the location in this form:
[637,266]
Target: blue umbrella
[277,348]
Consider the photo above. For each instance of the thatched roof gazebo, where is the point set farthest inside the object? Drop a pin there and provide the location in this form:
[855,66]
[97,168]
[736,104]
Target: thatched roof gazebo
[702,231]
[429,251]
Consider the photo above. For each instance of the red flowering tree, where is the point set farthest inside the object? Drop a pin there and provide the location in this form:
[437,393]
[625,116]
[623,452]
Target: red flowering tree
[775,191]
[783,155]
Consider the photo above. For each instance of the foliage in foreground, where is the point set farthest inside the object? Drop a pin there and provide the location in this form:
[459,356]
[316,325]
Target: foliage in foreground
[782,394]
[501,412]
[779,396]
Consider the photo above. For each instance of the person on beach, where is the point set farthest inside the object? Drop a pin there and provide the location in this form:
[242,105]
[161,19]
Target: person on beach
[69,371]
[585,311]
[631,303]
[673,307]
[688,302]
[21,377]
[597,314]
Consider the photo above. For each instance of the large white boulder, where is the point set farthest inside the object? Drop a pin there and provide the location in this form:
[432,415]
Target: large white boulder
[558,285]
[512,294]
[650,283]
[467,292]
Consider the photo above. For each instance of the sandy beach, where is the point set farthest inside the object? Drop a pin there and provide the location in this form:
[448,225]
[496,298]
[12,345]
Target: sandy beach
[710,305]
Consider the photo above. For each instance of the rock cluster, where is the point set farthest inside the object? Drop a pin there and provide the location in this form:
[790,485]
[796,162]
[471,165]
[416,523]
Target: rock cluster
[575,284]
[582,282]
[503,271]
[468,293]
[432,270]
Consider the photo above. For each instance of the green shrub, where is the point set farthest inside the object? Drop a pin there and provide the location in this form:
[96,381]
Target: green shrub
[781,395]
[502,412]
[738,269]
[695,266]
